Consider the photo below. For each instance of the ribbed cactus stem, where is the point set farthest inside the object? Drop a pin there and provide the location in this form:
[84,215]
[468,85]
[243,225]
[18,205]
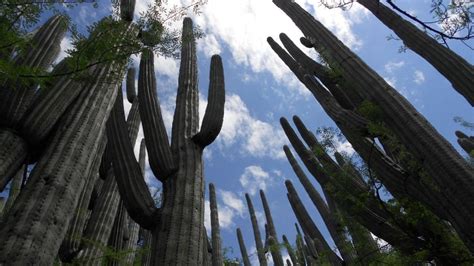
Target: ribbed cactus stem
[127,9]
[57,180]
[276,254]
[43,50]
[243,249]
[328,217]
[256,232]
[290,250]
[217,258]
[308,225]
[300,248]
[15,187]
[13,152]
[442,162]
[130,83]
[455,68]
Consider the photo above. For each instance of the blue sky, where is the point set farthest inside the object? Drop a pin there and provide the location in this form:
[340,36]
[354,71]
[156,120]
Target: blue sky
[248,156]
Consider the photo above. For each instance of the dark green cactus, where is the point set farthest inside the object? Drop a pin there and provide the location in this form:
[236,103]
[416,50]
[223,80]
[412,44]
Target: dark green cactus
[442,163]
[217,258]
[309,226]
[243,249]
[455,68]
[178,225]
[16,98]
[256,231]
[290,250]
[272,235]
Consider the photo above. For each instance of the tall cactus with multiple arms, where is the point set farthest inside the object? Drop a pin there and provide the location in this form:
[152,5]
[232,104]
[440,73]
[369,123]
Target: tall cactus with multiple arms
[446,168]
[177,226]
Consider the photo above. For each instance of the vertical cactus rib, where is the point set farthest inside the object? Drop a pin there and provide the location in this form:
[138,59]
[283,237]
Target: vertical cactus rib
[217,258]
[130,83]
[256,232]
[272,235]
[44,47]
[442,162]
[127,9]
[214,115]
[308,225]
[243,249]
[452,66]
[38,221]
[13,152]
[128,174]
[161,160]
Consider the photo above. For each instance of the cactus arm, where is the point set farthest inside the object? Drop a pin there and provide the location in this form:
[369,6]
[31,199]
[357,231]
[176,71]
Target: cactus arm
[442,162]
[290,250]
[272,234]
[256,232]
[455,68]
[307,223]
[130,83]
[127,9]
[131,184]
[217,258]
[214,115]
[161,159]
[45,47]
[243,249]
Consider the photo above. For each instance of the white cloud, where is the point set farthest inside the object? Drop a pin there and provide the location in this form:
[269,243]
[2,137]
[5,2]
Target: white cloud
[244,30]
[65,45]
[254,178]
[231,200]
[418,77]
[391,66]
[257,138]
[226,216]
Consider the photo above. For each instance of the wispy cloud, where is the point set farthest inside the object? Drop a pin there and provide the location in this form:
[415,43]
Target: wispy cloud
[391,66]
[418,77]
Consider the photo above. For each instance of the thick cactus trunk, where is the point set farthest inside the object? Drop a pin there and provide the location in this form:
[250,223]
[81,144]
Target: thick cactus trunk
[440,160]
[455,68]
[39,219]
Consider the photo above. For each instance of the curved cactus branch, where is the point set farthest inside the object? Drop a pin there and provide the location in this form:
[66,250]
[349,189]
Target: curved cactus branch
[214,115]
[161,159]
[131,184]
[130,83]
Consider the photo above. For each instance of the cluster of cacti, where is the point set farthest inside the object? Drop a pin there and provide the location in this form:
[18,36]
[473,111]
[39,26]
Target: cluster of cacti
[420,169]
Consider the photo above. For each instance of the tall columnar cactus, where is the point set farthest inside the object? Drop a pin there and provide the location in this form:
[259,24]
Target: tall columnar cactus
[272,235]
[309,226]
[329,218]
[290,250]
[243,249]
[300,249]
[455,68]
[217,258]
[256,232]
[441,161]
[16,97]
[178,225]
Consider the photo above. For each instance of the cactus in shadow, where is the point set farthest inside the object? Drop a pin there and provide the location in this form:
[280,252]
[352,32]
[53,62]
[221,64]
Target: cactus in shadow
[466,142]
[15,98]
[243,249]
[442,163]
[256,231]
[217,258]
[177,226]
[455,68]
[272,235]
[15,187]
